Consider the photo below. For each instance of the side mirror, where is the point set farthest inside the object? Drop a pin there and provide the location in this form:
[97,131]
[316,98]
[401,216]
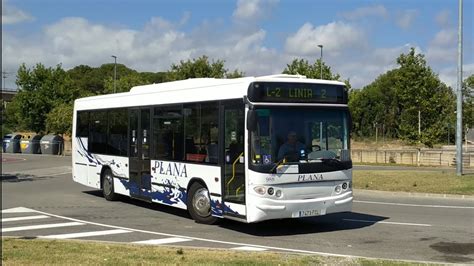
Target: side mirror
[251,120]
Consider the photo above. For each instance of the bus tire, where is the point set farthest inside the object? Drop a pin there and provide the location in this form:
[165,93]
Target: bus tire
[199,204]
[108,185]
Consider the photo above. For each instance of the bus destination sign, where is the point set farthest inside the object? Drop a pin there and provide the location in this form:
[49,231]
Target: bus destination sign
[297,92]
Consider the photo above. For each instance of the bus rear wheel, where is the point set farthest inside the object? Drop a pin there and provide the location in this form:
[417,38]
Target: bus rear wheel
[199,204]
[108,185]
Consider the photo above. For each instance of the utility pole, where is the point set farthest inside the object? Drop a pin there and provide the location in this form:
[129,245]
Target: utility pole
[115,72]
[459,128]
[419,123]
[448,132]
[4,75]
[321,60]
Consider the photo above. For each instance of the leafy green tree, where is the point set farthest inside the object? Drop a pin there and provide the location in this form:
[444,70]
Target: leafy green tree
[375,106]
[468,102]
[86,81]
[200,68]
[125,83]
[40,89]
[302,67]
[157,77]
[399,97]
[59,120]
[235,74]
[12,119]
[420,92]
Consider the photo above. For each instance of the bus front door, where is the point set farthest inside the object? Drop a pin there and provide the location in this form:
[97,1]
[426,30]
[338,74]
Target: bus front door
[233,161]
[139,137]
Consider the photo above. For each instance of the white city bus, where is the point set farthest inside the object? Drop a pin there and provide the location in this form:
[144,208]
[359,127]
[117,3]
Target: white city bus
[248,149]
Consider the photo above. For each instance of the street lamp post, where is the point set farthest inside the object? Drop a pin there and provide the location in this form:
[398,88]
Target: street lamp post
[321,60]
[115,72]
[459,97]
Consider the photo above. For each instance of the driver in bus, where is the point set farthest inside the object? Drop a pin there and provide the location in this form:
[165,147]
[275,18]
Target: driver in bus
[291,147]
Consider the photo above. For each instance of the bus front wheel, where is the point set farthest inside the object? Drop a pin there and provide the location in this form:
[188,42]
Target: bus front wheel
[108,185]
[199,204]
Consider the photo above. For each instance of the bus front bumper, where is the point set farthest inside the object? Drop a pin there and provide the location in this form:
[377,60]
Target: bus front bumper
[265,209]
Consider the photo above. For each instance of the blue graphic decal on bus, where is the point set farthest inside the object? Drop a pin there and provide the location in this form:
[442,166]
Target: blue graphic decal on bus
[217,208]
[169,195]
[95,159]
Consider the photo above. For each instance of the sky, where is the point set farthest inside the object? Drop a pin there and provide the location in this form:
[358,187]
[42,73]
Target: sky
[361,39]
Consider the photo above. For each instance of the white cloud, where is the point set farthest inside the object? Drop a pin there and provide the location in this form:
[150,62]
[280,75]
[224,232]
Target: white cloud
[335,37]
[443,46]
[253,10]
[406,18]
[366,67]
[75,41]
[160,43]
[363,12]
[449,74]
[13,15]
[443,18]
[445,37]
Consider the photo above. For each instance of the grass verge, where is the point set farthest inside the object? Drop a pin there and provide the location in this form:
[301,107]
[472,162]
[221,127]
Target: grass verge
[414,181]
[61,252]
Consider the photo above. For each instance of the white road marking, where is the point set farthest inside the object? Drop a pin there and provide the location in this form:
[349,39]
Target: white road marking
[247,248]
[200,239]
[41,226]
[414,205]
[18,210]
[87,234]
[384,222]
[163,241]
[24,218]
[227,242]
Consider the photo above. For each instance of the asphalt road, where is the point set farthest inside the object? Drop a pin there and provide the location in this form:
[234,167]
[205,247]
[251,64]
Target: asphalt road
[382,225]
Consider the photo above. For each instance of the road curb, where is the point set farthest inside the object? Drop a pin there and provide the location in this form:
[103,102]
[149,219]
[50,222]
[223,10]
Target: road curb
[413,194]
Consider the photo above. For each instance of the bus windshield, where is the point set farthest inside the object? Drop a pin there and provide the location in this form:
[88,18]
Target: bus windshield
[302,135]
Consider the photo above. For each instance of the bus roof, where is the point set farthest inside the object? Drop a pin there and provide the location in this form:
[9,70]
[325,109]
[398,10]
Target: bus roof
[190,90]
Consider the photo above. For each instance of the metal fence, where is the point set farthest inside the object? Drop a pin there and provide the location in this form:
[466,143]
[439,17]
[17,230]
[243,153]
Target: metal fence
[419,157]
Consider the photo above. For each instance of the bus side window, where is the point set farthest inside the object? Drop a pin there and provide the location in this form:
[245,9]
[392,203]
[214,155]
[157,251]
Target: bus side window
[210,131]
[168,133]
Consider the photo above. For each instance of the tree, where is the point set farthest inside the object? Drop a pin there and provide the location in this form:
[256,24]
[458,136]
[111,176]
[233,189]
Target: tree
[201,68]
[468,102]
[40,90]
[375,107]
[59,120]
[420,92]
[87,81]
[125,83]
[399,97]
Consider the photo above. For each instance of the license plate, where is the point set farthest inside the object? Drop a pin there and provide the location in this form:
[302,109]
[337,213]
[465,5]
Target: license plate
[308,213]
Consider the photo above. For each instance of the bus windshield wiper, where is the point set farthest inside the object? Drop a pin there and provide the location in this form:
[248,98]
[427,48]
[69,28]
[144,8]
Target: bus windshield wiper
[277,164]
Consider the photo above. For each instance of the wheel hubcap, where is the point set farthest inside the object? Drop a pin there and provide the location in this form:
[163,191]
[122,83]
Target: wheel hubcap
[202,203]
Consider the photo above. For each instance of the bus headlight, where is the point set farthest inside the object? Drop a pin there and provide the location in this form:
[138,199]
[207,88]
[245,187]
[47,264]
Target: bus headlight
[338,189]
[260,190]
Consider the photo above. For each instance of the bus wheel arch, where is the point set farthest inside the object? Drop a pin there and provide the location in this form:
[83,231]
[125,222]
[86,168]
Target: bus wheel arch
[199,202]
[107,184]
